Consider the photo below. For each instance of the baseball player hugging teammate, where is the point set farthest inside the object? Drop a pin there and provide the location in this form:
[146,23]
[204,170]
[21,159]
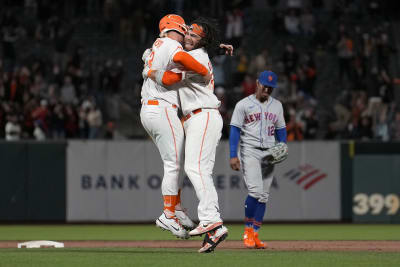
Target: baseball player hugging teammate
[258,123]
[202,125]
[159,116]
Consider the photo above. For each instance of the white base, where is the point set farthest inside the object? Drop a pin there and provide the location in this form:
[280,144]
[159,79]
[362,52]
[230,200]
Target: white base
[41,244]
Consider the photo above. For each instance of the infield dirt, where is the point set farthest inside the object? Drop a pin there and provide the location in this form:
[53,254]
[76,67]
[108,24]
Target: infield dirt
[375,246]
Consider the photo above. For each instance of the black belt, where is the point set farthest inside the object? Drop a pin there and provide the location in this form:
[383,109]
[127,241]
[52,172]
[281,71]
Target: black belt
[262,148]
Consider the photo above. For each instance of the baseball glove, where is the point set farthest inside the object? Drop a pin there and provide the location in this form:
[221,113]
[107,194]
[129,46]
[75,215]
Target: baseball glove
[279,153]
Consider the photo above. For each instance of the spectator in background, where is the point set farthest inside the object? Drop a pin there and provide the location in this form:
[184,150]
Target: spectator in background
[395,127]
[234,27]
[310,124]
[248,86]
[41,115]
[95,121]
[241,68]
[68,92]
[12,129]
[218,70]
[261,62]
[110,128]
[38,132]
[345,51]
[385,50]
[290,60]
[307,22]
[382,127]
[58,122]
[365,129]
[71,122]
[294,128]
[292,22]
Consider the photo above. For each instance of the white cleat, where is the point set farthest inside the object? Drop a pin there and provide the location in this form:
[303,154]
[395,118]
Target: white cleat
[184,219]
[213,238]
[204,228]
[173,225]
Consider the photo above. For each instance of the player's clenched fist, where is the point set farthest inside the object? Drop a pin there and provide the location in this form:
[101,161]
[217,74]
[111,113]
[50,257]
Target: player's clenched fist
[235,164]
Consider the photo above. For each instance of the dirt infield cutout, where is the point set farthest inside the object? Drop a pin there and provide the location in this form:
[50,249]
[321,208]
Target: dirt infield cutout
[376,246]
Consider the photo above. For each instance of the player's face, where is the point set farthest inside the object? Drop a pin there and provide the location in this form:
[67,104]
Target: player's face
[192,40]
[263,92]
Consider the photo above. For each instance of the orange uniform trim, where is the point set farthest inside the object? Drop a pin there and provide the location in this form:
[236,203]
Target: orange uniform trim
[173,135]
[201,148]
[156,103]
[185,118]
[170,77]
[190,63]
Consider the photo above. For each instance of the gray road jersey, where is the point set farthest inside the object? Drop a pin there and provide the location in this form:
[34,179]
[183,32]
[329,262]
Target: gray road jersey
[258,121]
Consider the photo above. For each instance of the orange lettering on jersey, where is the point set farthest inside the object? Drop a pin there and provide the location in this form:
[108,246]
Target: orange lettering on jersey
[158,43]
[151,57]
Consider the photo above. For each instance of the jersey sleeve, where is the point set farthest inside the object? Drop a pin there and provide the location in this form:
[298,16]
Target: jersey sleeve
[280,123]
[170,78]
[238,115]
[189,63]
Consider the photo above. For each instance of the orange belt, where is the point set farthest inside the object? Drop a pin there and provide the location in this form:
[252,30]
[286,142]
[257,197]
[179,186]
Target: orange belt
[185,118]
[156,103]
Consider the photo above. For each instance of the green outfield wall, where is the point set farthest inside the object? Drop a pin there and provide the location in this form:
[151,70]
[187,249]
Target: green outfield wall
[32,181]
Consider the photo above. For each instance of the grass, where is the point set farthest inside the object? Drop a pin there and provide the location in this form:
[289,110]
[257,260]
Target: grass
[186,257]
[150,232]
[88,257]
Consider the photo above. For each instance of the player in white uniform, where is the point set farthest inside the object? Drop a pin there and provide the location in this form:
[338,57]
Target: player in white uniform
[203,125]
[258,122]
[159,117]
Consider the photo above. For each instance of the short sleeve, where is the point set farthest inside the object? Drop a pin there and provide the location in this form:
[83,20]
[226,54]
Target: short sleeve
[280,123]
[238,115]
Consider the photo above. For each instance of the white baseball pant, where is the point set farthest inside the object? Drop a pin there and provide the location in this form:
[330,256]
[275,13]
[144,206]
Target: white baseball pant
[258,175]
[165,128]
[203,132]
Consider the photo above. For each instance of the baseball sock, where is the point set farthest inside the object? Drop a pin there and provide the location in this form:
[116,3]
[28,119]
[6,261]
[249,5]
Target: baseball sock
[178,205]
[249,210]
[169,205]
[259,215]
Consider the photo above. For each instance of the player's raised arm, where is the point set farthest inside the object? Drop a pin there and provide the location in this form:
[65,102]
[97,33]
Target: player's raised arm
[192,64]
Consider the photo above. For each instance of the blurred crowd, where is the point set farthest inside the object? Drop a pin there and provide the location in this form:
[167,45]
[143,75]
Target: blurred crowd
[52,88]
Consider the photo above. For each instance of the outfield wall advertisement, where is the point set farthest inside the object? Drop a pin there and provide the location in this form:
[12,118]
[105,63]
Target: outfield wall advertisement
[120,181]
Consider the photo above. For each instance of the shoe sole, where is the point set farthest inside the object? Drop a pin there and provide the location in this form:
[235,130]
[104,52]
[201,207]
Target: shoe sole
[164,227]
[215,226]
[212,248]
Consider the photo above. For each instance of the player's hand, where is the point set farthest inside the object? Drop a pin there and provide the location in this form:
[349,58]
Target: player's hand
[145,72]
[146,54]
[228,49]
[235,164]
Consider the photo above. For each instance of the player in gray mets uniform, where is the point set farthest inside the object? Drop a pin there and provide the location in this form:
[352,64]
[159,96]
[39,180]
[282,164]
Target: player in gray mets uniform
[258,123]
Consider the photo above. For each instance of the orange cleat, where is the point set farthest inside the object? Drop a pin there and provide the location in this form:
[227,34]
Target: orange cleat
[248,237]
[258,242]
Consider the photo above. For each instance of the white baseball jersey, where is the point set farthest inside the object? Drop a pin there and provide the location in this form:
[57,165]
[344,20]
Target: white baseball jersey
[203,132]
[258,121]
[161,58]
[194,93]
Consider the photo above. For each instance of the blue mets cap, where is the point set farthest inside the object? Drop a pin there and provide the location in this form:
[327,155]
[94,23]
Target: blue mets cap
[268,78]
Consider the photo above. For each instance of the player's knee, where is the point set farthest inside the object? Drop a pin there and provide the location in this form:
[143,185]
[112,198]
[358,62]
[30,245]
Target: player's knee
[191,170]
